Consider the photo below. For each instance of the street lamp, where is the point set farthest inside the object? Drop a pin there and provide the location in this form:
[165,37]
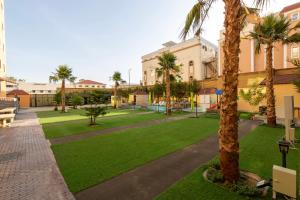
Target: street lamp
[284,149]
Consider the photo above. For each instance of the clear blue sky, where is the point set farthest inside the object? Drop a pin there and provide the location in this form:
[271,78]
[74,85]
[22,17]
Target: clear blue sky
[95,37]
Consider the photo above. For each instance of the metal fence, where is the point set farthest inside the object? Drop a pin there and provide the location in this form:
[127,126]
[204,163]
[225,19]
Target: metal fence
[39,100]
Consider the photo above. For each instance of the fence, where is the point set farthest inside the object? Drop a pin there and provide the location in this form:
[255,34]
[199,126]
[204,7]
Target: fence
[39,100]
[6,102]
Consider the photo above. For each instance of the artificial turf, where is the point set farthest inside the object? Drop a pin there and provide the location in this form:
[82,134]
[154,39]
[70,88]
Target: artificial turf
[91,161]
[259,151]
[61,129]
[46,117]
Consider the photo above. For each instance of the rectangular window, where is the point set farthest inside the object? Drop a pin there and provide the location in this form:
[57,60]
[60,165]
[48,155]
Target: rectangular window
[33,91]
[41,91]
[295,52]
[295,16]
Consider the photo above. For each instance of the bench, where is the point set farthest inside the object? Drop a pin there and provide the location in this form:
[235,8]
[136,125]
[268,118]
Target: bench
[6,119]
[8,111]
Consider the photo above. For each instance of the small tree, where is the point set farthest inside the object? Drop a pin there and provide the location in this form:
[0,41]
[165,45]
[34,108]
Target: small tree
[254,95]
[296,62]
[76,100]
[57,100]
[194,87]
[95,110]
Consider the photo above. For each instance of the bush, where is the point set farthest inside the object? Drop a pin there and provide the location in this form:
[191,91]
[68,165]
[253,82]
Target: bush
[215,175]
[93,112]
[246,190]
[76,100]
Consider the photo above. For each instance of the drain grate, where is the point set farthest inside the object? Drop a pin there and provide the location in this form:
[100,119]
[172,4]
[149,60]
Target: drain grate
[9,156]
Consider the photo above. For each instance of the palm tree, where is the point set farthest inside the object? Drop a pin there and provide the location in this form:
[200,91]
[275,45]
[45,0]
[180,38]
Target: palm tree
[271,30]
[235,15]
[168,69]
[63,73]
[117,78]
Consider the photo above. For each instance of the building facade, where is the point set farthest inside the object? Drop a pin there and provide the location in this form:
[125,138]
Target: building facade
[2,52]
[250,61]
[89,84]
[196,56]
[252,65]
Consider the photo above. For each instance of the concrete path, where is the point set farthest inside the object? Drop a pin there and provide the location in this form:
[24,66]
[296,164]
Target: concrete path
[148,181]
[28,170]
[72,138]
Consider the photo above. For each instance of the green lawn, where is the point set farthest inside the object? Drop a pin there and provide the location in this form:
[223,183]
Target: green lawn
[46,117]
[259,151]
[91,161]
[61,129]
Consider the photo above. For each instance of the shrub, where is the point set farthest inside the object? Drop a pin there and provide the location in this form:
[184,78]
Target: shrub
[76,100]
[246,190]
[214,175]
[93,112]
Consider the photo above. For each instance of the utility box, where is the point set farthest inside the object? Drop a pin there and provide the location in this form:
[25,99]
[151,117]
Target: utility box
[284,182]
[289,107]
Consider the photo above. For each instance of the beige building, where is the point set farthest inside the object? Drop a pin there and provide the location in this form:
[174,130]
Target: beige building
[252,65]
[250,61]
[196,57]
[2,52]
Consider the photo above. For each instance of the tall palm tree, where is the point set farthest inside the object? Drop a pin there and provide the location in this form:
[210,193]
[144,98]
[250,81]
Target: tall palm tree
[63,73]
[117,78]
[168,69]
[235,15]
[271,30]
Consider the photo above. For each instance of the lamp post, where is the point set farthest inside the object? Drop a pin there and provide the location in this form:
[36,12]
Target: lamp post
[284,149]
[129,70]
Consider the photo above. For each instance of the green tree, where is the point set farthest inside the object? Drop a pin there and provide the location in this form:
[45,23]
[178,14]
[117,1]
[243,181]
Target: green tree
[194,88]
[254,95]
[117,78]
[95,109]
[271,30]
[76,100]
[168,67]
[63,73]
[296,62]
[235,15]
[57,100]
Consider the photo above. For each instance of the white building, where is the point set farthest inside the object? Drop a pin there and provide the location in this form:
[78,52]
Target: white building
[196,56]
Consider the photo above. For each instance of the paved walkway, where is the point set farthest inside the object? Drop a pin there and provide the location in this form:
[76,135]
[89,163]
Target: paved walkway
[148,181]
[28,170]
[72,138]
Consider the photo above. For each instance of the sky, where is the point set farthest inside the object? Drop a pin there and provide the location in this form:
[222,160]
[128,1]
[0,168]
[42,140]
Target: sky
[97,37]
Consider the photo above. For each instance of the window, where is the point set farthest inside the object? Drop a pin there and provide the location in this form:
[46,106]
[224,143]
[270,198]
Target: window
[93,86]
[41,91]
[295,52]
[191,63]
[86,86]
[145,72]
[295,16]
[33,91]
[79,85]
[49,91]
[152,72]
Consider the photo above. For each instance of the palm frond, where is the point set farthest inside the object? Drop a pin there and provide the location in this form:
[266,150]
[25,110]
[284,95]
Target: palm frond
[261,3]
[294,38]
[195,18]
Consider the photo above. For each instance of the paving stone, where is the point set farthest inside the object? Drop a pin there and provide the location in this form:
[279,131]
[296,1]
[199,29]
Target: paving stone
[28,170]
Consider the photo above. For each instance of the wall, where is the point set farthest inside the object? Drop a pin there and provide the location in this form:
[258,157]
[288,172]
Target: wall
[24,100]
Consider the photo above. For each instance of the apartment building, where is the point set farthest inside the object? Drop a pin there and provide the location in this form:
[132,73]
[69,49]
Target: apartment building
[252,65]
[196,56]
[2,52]
[89,84]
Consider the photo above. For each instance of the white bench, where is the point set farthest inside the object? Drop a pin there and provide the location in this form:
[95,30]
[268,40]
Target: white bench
[6,119]
[7,111]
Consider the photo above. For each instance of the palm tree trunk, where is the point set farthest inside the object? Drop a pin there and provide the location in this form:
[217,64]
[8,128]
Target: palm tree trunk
[63,96]
[271,113]
[115,96]
[228,133]
[168,93]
